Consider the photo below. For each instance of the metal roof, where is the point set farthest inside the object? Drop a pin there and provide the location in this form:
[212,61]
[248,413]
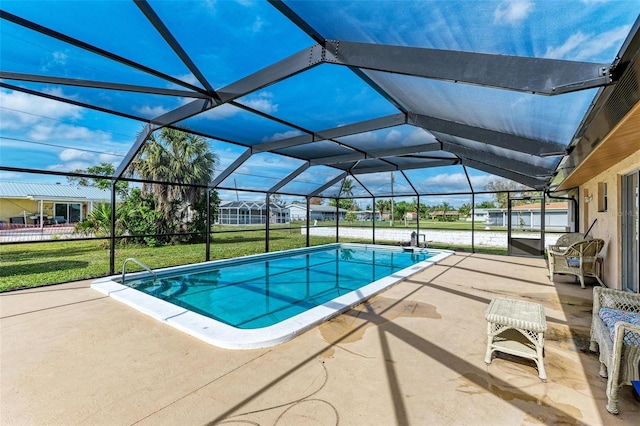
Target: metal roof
[249,205]
[43,191]
[404,98]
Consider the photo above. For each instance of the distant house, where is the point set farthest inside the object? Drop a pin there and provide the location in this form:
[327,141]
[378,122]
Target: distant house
[44,204]
[251,213]
[452,214]
[411,216]
[316,212]
[528,216]
[366,215]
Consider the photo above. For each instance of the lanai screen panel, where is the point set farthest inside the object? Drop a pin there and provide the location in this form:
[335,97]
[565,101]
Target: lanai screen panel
[261,172]
[386,184]
[311,180]
[217,43]
[316,150]
[58,136]
[439,180]
[234,124]
[229,40]
[103,24]
[389,138]
[545,118]
[489,153]
[324,97]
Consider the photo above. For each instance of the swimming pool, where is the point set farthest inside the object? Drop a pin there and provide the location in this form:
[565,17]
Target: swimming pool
[263,300]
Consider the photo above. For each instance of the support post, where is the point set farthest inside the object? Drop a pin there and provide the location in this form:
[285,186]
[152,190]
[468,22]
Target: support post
[208,227]
[266,234]
[418,223]
[373,220]
[473,222]
[337,219]
[308,219]
[112,239]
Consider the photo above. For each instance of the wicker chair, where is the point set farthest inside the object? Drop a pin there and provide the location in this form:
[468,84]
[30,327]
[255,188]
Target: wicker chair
[566,240]
[579,259]
[620,355]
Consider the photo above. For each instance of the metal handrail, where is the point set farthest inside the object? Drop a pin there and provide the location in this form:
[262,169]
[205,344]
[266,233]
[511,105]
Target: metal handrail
[142,265]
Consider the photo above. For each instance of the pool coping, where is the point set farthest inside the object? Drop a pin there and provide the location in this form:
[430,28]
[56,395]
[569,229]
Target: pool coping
[225,336]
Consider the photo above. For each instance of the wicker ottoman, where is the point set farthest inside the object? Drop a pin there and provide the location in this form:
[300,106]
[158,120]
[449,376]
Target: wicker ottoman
[517,328]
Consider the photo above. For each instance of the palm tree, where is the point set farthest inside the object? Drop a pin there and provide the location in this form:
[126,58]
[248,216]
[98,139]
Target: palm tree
[347,191]
[382,205]
[174,156]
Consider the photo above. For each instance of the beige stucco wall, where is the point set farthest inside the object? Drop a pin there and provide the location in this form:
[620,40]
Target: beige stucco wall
[10,207]
[608,227]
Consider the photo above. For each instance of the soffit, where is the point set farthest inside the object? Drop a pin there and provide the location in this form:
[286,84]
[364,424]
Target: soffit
[622,141]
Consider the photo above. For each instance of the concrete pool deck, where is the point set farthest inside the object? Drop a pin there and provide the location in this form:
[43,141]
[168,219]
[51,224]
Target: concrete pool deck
[413,354]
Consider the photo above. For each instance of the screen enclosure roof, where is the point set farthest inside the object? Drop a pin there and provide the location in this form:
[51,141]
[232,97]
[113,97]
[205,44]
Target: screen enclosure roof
[294,97]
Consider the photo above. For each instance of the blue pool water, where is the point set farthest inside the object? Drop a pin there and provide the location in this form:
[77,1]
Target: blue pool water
[256,293]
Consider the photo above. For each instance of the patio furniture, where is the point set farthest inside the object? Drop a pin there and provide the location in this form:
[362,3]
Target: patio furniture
[565,240]
[615,332]
[579,259]
[516,327]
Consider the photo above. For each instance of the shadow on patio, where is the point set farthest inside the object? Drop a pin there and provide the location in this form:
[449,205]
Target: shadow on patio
[412,355]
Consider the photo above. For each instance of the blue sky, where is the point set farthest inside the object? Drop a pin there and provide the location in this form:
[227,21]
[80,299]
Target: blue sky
[231,39]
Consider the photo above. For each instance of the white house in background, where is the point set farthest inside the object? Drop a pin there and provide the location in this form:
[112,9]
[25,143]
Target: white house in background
[527,216]
[316,212]
[251,213]
[479,215]
[47,204]
[366,215]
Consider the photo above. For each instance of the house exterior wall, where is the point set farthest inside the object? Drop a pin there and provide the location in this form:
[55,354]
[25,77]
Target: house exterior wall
[297,212]
[21,207]
[609,223]
[13,207]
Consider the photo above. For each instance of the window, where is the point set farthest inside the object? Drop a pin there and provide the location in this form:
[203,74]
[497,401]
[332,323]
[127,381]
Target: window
[67,212]
[602,196]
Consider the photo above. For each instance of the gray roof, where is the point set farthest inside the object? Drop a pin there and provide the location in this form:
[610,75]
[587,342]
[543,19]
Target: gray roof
[317,208]
[45,191]
[249,205]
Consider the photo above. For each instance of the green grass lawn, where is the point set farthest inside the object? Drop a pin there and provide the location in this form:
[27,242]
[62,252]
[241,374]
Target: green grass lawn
[37,264]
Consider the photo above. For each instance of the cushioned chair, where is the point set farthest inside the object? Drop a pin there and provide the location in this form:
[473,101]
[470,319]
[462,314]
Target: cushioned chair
[615,332]
[579,259]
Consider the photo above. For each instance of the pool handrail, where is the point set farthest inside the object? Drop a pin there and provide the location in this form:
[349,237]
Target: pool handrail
[142,265]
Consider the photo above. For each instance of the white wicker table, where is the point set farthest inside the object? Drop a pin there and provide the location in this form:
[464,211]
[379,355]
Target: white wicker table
[516,327]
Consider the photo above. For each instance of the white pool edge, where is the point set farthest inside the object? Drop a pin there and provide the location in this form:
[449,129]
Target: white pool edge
[225,336]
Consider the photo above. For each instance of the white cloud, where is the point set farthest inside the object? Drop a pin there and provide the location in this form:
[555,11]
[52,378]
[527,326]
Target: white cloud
[10,176]
[257,25]
[109,158]
[479,182]
[580,46]
[512,11]
[147,111]
[393,136]
[70,166]
[187,78]
[15,104]
[74,154]
[454,180]
[46,131]
[362,137]
[262,101]
[42,120]
[220,112]
[282,135]
[57,58]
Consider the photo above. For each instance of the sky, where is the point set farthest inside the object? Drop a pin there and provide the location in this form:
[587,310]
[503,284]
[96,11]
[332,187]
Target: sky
[229,40]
